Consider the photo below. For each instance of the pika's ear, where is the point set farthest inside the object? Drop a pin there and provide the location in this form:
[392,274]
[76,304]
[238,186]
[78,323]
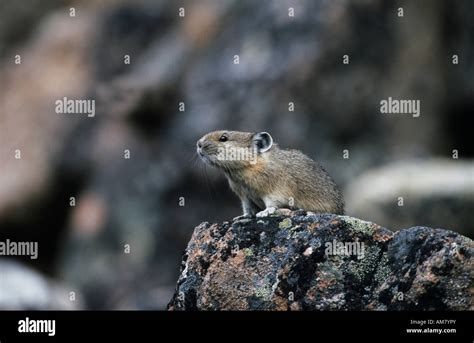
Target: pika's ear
[263,141]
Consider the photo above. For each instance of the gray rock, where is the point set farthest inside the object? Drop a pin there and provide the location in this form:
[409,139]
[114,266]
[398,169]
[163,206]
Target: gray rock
[22,288]
[305,261]
[435,192]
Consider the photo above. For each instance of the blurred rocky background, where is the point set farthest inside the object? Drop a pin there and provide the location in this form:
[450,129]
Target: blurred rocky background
[119,246]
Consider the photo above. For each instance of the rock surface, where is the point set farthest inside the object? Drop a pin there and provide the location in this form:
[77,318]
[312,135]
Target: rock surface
[22,288]
[435,192]
[285,262]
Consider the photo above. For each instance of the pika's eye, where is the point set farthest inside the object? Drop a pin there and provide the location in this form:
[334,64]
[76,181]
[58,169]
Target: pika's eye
[223,138]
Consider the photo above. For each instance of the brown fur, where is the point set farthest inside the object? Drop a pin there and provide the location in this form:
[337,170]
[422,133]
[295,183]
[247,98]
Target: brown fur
[279,178]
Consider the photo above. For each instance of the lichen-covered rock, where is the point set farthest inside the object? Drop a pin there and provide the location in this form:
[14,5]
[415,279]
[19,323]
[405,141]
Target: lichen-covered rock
[303,261]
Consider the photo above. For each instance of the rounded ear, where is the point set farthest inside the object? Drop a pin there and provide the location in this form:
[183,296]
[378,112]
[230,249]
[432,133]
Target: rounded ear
[263,141]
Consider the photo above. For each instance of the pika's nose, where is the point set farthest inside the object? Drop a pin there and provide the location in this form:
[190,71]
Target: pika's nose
[199,144]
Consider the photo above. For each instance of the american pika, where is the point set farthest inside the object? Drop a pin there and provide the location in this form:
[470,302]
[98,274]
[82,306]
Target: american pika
[266,177]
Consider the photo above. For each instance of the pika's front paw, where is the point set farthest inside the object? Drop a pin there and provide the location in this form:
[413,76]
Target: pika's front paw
[266,212]
[243,216]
